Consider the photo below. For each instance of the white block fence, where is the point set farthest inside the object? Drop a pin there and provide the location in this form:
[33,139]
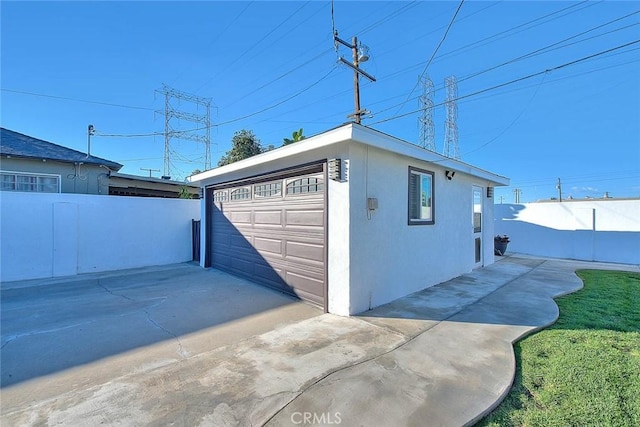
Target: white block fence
[50,235]
[590,230]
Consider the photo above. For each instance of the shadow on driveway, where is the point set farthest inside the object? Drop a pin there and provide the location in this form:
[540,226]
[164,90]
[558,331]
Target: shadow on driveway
[170,313]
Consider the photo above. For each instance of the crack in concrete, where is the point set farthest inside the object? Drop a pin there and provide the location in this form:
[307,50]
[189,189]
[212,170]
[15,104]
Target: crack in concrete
[43,331]
[181,350]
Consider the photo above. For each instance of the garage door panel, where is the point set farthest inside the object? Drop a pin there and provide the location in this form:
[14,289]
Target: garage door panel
[271,274]
[307,251]
[307,218]
[303,282]
[273,246]
[268,217]
[276,238]
[240,217]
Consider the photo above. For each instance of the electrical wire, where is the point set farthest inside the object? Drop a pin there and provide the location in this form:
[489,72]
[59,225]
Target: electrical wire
[281,102]
[253,46]
[133,107]
[536,52]
[517,80]
[444,36]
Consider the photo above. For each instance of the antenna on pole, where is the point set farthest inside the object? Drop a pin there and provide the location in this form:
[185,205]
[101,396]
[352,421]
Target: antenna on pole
[360,54]
[150,170]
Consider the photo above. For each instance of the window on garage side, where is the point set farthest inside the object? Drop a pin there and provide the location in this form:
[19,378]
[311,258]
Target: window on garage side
[305,185]
[421,197]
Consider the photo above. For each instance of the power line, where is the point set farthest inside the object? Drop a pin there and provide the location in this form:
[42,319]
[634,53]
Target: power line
[281,102]
[244,54]
[518,79]
[215,39]
[133,107]
[444,36]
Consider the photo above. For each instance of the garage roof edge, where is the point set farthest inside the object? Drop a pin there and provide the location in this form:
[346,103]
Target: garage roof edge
[359,134]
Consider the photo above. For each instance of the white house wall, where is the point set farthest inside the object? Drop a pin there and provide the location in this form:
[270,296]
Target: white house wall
[389,258]
[47,235]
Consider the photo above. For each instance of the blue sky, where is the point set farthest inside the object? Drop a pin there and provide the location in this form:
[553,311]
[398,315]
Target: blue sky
[547,89]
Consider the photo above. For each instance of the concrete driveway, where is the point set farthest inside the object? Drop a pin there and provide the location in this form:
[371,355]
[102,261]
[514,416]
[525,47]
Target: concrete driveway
[61,335]
[442,356]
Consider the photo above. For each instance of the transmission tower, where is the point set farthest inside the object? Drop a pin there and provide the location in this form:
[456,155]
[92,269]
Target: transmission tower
[451,147]
[201,132]
[427,136]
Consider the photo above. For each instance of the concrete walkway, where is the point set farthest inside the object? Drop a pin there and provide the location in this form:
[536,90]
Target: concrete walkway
[442,356]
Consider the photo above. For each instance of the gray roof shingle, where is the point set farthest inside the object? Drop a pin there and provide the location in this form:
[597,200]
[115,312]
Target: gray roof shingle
[20,145]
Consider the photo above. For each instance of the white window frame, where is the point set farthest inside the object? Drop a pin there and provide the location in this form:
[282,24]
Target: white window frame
[38,184]
[427,214]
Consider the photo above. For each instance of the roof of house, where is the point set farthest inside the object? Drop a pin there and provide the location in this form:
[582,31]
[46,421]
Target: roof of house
[359,134]
[151,179]
[20,145]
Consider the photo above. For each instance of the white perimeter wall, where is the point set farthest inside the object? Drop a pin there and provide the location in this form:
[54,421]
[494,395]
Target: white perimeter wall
[49,235]
[389,258]
[599,230]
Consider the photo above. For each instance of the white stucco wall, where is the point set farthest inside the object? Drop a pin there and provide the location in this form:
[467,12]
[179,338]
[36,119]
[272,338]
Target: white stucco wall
[375,260]
[389,258]
[48,235]
[590,230]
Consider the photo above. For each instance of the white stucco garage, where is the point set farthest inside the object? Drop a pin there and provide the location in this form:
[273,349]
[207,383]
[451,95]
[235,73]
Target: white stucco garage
[349,219]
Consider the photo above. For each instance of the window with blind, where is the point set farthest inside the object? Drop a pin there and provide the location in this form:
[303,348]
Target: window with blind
[421,197]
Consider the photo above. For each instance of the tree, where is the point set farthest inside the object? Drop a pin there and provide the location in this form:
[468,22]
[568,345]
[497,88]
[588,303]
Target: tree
[296,135]
[245,145]
[195,172]
[184,192]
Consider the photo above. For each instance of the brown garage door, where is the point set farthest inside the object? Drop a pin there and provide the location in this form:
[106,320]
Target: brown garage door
[271,229]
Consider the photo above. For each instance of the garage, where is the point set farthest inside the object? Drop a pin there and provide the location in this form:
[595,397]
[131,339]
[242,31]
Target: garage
[272,229]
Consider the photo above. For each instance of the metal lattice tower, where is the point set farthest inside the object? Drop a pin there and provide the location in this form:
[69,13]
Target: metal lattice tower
[202,131]
[451,146]
[427,135]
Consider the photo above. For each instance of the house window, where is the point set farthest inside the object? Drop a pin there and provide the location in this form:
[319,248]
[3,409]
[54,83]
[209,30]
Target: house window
[271,189]
[421,201]
[305,185]
[242,193]
[21,181]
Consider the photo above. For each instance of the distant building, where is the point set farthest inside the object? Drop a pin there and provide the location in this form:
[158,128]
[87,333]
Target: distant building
[34,165]
[121,184]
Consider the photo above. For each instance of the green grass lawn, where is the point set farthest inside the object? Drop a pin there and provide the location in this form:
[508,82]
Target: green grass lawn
[585,369]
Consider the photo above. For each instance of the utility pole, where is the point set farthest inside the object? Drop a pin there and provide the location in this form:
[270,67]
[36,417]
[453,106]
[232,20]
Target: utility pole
[150,170]
[559,187]
[516,195]
[90,131]
[360,54]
